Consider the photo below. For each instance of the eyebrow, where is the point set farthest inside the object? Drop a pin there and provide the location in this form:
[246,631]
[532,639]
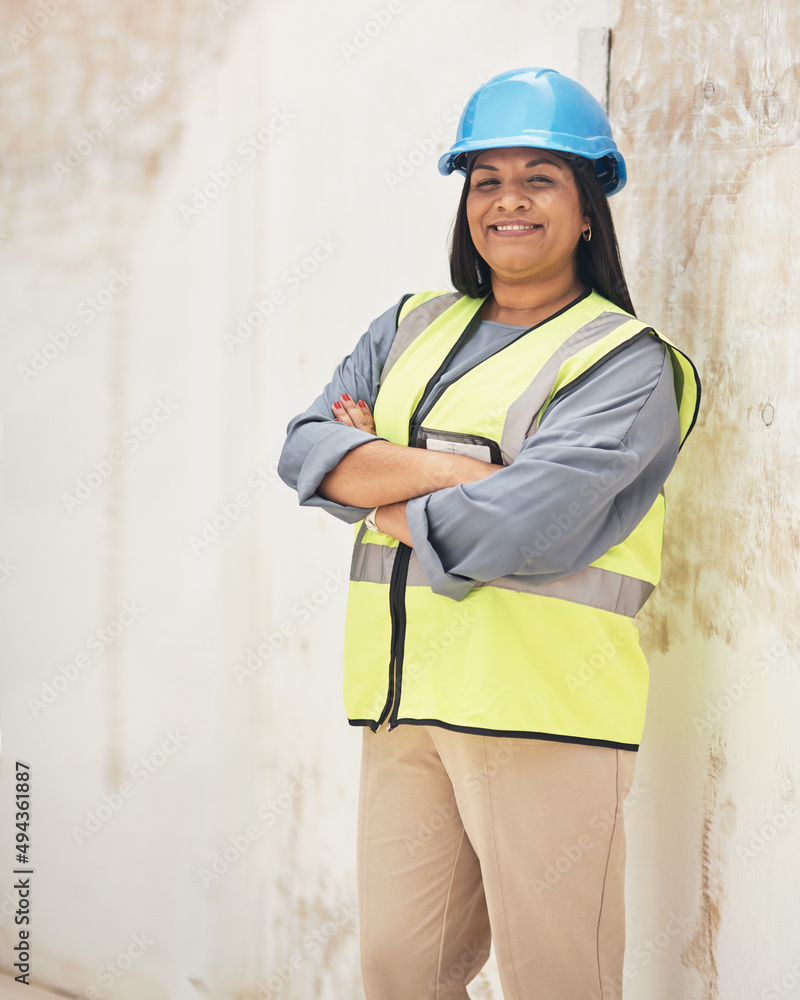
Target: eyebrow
[533,163]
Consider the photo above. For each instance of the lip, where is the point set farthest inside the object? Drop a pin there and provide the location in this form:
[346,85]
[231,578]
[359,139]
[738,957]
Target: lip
[530,228]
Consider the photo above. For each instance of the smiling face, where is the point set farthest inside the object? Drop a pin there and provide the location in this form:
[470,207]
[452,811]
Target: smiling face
[525,214]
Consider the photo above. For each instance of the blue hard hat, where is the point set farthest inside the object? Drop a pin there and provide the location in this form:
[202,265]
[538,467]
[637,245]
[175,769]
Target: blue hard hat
[540,108]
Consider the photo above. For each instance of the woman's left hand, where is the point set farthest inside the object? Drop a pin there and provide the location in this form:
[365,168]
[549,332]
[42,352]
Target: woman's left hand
[353,414]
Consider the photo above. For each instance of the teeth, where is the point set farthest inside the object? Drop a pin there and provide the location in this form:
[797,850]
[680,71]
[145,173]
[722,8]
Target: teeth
[502,229]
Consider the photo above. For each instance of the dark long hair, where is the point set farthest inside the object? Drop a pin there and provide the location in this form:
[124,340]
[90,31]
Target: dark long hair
[598,263]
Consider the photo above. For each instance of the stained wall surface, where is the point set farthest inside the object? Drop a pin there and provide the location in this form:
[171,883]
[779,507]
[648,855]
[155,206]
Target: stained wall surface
[706,99]
[203,205]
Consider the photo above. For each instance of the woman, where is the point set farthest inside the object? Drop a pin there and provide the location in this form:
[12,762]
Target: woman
[525,426]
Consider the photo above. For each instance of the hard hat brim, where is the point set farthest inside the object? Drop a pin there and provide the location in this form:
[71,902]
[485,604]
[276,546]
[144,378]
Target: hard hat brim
[609,162]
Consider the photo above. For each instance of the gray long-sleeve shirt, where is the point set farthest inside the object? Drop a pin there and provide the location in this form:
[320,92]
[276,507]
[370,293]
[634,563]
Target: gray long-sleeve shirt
[579,485]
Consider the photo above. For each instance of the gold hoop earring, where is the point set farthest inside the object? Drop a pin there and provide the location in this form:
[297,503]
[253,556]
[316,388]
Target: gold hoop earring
[588,234]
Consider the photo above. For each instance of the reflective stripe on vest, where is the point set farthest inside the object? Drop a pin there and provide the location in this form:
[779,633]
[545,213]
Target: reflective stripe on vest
[558,660]
[412,324]
[594,587]
[522,412]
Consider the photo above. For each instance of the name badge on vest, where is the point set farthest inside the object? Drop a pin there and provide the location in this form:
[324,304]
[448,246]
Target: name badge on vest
[453,443]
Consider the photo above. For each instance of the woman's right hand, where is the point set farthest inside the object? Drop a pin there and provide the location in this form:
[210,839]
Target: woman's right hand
[353,414]
[379,473]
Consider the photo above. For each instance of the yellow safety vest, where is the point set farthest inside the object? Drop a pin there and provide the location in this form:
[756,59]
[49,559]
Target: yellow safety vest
[558,661]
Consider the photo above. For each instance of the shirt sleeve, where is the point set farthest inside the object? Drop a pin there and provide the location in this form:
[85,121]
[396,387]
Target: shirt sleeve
[316,442]
[578,486]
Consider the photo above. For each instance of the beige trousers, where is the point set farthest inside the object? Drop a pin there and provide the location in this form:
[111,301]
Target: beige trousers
[465,839]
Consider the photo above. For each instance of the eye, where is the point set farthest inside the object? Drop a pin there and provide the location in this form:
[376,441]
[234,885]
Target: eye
[486,182]
[541,177]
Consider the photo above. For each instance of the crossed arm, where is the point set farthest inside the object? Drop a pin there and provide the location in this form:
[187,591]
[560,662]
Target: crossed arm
[385,475]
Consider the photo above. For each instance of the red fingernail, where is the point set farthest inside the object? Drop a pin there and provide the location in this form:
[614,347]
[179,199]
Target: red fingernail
[346,398]
[362,403]
[337,405]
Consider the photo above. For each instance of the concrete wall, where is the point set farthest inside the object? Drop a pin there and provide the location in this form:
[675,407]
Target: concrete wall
[172,620]
[705,98]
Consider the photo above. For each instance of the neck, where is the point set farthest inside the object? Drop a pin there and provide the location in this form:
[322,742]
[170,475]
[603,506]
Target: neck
[527,305]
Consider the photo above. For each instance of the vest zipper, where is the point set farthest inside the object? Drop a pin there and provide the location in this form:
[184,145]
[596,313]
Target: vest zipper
[397,610]
[399,578]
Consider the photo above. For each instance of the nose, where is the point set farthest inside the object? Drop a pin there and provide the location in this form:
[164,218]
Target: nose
[513,195]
